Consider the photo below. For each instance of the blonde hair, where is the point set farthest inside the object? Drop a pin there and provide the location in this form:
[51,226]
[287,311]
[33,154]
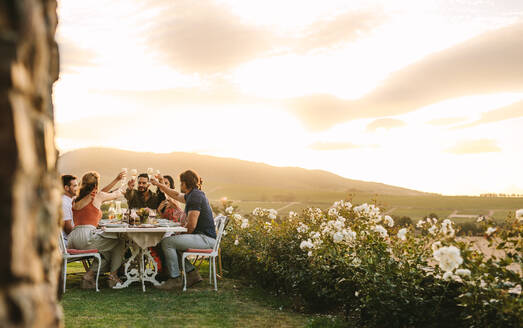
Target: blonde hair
[89,183]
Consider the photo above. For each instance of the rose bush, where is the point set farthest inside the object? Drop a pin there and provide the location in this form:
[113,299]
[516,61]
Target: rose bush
[354,259]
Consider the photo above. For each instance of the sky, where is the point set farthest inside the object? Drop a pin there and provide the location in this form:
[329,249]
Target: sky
[422,94]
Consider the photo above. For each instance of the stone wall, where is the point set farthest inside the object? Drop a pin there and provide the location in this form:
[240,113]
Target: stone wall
[30,192]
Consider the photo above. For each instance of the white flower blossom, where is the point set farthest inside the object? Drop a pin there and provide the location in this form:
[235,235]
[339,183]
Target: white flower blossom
[379,228]
[302,228]
[463,272]
[356,293]
[519,214]
[333,211]
[309,253]
[389,221]
[306,244]
[420,224]
[515,290]
[236,217]
[229,210]
[337,237]
[449,275]
[272,217]
[236,242]
[401,234]
[490,231]
[449,258]
[480,218]
[433,229]
[245,224]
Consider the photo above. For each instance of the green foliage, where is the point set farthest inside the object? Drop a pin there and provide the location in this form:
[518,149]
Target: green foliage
[377,272]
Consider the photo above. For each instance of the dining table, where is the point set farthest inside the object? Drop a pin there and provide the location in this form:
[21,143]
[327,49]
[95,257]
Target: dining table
[141,266]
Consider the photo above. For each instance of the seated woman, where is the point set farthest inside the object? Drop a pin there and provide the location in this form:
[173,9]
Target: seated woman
[86,215]
[169,208]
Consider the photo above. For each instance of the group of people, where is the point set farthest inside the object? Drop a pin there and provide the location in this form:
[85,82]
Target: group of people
[81,205]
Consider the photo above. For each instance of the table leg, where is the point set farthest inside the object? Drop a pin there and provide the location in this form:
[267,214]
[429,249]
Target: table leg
[142,270]
[132,274]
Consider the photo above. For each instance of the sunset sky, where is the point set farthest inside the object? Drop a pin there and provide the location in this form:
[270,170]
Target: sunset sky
[415,93]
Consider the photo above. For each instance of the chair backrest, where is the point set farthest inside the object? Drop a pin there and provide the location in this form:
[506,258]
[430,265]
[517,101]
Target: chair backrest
[220,221]
[61,241]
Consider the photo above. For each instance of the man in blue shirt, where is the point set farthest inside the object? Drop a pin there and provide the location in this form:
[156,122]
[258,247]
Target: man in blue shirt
[201,232]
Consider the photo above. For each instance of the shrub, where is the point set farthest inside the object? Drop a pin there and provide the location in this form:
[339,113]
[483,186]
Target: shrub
[354,259]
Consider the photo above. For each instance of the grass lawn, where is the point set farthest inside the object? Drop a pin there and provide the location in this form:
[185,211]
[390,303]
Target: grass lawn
[234,305]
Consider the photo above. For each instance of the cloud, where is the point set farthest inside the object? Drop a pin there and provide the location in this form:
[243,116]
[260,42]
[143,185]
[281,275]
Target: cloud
[384,123]
[446,121]
[339,29]
[489,63]
[501,114]
[206,37]
[332,146]
[474,147]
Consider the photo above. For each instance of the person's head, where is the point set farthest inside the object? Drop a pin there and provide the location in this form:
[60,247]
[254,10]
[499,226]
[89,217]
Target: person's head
[89,184]
[70,184]
[190,180]
[143,182]
[169,180]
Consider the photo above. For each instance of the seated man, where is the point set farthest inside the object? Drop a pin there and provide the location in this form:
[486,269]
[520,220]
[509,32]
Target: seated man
[201,232]
[143,197]
[70,184]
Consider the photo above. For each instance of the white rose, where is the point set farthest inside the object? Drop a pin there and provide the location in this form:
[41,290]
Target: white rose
[337,237]
[236,242]
[237,217]
[490,231]
[515,290]
[229,210]
[272,216]
[379,228]
[402,233]
[333,212]
[433,230]
[463,272]
[449,258]
[245,224]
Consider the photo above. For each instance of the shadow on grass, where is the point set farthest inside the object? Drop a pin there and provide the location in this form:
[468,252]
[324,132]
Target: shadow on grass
[235,304]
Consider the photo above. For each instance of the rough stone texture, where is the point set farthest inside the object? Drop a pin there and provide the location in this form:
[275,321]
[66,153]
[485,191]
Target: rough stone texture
[30,192]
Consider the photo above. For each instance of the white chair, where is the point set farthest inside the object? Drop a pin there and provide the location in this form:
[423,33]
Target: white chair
[72,255]
[221,221]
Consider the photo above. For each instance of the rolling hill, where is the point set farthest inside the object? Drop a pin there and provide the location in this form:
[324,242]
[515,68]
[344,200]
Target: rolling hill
[233,178]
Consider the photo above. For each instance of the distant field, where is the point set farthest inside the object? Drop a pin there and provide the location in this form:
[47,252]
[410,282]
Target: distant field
[414,207]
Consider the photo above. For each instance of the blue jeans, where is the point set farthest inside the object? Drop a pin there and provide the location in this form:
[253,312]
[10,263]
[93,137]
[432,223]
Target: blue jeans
[179,243]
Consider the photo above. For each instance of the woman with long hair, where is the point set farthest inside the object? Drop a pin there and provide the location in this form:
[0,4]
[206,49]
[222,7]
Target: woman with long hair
[169,208]
[86,215]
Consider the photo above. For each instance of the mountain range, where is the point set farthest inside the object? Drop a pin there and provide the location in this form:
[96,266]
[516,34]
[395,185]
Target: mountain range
[227,177]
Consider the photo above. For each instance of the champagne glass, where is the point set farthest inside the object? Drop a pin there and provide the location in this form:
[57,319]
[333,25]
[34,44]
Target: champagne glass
[150,172]
[134,173]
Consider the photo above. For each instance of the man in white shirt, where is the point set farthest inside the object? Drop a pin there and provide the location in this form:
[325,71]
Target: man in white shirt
[70,185]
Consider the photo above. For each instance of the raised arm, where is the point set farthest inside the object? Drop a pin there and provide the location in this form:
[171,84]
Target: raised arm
[170,192]
[114,182]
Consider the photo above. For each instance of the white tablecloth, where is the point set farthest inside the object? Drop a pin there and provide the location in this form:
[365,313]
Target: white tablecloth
[146,237]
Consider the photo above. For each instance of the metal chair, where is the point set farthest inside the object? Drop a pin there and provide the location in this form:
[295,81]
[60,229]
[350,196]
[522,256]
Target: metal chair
[221,221]
[72,255]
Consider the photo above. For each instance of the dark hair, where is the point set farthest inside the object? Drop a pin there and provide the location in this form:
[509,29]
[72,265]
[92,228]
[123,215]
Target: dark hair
[170,179]
[192,179]
[89,183]
[66,179]
[144,175]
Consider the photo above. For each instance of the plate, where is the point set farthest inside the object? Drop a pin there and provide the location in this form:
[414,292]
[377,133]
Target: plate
[147,226]
[115,225]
